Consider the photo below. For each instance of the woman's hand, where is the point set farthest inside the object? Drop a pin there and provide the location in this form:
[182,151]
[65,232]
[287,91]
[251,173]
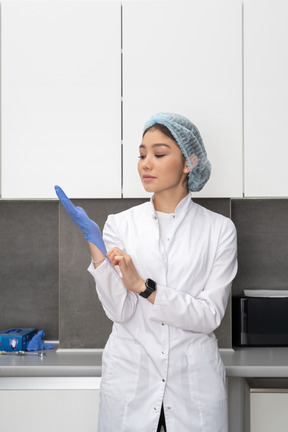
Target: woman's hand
[79,216]
[132,280]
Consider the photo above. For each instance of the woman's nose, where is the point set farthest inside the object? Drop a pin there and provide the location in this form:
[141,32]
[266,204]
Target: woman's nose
[147,162]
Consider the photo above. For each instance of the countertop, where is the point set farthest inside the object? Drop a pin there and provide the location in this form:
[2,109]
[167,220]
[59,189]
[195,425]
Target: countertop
[56,362]
[256,362]
[244,362]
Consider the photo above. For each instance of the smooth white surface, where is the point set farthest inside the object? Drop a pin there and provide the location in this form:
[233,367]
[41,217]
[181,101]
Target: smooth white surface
[61,98]
[266,98]
[244,362]
[50,383]
[49,410]
[268,412]
[185,57]
[81,363]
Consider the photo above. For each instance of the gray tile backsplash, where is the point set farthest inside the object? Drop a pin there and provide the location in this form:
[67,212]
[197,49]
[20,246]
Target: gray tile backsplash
[44,258]
[29,265]
[262,227]
[83,324]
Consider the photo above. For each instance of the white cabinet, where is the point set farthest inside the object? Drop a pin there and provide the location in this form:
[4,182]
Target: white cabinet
[49,404]
[185,57]
[268,403]
[269,412]
[61,98]
[61,92]
[266,97]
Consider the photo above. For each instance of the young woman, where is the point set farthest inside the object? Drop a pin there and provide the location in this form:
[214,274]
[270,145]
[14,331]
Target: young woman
[164,282]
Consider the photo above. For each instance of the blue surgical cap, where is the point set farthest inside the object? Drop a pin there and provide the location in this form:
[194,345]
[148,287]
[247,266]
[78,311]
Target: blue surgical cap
[190,142]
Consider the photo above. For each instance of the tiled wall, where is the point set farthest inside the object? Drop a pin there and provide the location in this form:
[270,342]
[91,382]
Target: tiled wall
[29,264]
[44,257]
[262,227]
[43,271]
[83,324]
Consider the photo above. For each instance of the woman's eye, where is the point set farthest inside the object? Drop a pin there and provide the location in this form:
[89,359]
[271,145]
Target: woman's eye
[157,156]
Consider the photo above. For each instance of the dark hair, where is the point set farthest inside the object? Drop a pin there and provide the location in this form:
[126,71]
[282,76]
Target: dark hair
[162,128]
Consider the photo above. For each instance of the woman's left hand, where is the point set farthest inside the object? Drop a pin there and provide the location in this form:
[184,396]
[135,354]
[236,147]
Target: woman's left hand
[79,216]
[132,280]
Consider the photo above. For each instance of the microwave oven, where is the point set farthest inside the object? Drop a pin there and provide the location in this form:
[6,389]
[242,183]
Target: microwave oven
[259,321]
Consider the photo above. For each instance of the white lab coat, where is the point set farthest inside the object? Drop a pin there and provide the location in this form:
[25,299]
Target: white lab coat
[166,352]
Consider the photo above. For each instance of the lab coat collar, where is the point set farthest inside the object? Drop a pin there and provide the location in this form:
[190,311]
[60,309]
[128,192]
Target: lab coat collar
[184,205]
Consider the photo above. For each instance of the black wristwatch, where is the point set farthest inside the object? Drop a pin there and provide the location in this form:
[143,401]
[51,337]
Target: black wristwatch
[150,288]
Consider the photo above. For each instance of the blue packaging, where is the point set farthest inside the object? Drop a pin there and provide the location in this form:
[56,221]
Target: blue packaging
[16,339]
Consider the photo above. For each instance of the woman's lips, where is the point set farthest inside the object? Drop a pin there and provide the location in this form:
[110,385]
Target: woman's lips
[147,178]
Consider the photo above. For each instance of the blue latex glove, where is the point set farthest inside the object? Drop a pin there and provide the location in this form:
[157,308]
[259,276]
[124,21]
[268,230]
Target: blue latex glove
[36,343]
[79,216]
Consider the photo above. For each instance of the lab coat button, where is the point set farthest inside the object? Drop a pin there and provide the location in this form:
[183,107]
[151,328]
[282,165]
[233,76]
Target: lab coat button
[163,324]
[155,408]
[163,380]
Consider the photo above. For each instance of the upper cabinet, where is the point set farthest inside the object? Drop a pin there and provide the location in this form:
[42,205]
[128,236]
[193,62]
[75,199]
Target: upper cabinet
[266,98]
[185,57]
[62,118]
[61,98]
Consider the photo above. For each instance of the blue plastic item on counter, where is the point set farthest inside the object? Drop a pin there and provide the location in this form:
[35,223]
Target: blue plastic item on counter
[37,343]
[16,339]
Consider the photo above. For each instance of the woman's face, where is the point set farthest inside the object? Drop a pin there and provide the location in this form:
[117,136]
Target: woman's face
[161,165]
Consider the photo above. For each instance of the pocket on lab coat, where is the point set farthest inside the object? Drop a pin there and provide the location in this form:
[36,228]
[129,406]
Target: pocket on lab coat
[120,368]
[206,373]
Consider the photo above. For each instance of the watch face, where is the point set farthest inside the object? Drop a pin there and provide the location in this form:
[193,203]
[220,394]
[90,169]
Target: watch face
[150,288]
[151,284]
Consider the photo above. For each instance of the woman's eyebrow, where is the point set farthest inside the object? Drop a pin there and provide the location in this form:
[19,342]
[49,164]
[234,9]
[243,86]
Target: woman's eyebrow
[155,145]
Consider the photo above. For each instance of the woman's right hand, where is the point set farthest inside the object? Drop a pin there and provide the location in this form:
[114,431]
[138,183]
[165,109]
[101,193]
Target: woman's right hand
[79,216]
[132,280]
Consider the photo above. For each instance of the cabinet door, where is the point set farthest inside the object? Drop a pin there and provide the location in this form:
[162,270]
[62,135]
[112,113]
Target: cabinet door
[185,57]
[266,97]
[49,403]
[50,410]
[61,106]
[268,412]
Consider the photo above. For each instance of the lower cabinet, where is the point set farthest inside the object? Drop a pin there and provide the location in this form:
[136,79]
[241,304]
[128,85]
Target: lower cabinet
[267,404]
[50,404]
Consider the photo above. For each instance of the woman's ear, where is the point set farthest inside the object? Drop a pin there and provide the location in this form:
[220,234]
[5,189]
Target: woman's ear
[186,169]
[194,160]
